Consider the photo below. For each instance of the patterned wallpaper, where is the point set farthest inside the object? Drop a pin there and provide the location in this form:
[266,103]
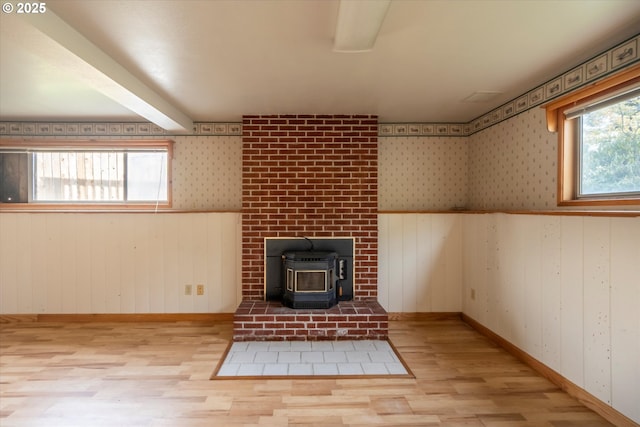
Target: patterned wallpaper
[417,173]
[207,173]
[513,165]
[509,166]
[422,173]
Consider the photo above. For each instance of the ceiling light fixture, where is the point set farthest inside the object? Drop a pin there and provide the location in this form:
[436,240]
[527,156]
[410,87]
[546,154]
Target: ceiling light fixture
[359,22]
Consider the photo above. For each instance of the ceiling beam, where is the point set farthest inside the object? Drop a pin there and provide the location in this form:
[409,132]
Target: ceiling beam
[89,63]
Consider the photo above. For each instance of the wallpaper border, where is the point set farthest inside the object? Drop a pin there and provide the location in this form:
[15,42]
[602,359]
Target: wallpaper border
[599,66]
[133,129]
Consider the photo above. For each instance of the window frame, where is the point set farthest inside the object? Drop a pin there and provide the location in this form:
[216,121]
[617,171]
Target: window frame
[121,144]
[569,139]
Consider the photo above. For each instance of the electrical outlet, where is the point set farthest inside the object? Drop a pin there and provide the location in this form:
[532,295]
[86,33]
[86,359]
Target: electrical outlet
[188,289]
[473,294]
[199,289]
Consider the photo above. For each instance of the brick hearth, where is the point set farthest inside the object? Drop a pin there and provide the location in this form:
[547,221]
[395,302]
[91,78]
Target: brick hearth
[271,321]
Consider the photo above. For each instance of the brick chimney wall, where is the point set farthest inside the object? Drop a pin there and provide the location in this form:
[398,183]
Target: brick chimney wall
[314,176]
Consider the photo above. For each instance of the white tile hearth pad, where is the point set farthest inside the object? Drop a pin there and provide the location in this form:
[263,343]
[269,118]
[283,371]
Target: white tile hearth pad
[289,358]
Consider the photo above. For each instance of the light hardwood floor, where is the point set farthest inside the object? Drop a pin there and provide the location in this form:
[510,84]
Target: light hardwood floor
[157,374]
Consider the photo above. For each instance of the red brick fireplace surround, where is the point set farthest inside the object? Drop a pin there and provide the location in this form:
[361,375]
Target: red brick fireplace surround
[313,176]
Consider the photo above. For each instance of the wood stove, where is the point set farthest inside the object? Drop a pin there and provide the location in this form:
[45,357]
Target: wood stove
[305,254]
[310,279]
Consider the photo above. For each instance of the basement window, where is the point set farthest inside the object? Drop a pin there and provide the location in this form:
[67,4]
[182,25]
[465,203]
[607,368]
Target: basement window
[85,174]
[599,142]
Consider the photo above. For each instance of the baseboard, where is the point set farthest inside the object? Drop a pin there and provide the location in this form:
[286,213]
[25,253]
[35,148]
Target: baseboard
[117,317]
[178,317]
[442,315]
[18,318]
[586,398]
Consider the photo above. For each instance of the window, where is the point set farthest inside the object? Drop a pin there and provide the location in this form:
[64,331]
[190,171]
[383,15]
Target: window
[609,146]
[599,142]
[85,174]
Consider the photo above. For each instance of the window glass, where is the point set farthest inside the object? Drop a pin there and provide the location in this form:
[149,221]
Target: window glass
[609,160]
[78,176]
[146,176]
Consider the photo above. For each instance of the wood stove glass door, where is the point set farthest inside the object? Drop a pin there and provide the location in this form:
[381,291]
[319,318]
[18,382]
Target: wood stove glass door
[311,281]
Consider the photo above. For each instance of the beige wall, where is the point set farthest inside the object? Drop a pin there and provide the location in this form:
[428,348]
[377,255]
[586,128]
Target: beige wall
[119,262]
[513,165]
[564,289]
[510,166]
[207,173]
[422,173]
[420,262]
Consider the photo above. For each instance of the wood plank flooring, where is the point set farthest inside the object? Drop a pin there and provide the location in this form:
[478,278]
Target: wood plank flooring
[157,374]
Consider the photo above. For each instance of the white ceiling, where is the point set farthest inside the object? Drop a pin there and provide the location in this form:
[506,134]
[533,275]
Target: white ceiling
[216,60]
